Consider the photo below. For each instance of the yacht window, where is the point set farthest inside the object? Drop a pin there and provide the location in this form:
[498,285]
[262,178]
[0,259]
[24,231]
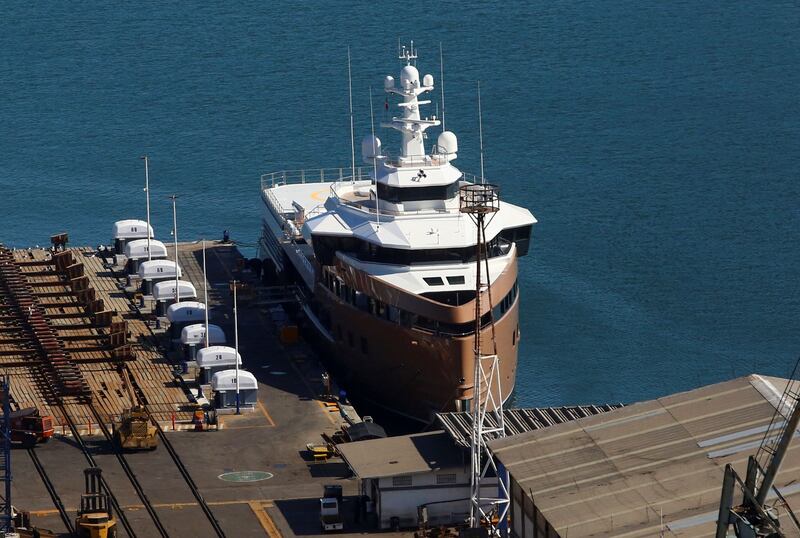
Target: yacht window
[455,280]
[415,194]
[433,280]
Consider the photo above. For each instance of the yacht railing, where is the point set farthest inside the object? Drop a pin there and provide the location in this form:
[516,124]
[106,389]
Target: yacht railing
[311,175]
[466,178]
[321,175]
[335,176]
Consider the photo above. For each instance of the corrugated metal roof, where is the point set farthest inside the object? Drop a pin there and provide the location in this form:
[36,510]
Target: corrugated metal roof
[616,473]
[517,421]
[404,454]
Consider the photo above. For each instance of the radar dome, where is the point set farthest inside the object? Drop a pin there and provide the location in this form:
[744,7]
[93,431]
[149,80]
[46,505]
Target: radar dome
[370,148]
[388,82]
[409,76]
[427,80]
[448,143]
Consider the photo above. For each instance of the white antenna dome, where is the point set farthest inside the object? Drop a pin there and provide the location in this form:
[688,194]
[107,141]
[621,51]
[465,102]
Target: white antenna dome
[427,80]
[370,148]
[448,143]
[409,77]
[388,82]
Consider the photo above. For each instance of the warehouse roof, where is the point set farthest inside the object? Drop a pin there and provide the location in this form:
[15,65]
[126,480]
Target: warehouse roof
[615,473]
[404,454]
[515,421]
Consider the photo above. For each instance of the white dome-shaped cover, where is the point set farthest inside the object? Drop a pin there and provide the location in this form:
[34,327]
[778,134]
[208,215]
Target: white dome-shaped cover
[226,381]
[186,311]
[427,80]
[137,249]
[211,356]
[409,77]
[165,290]
[448,143]
[195,334]
[370,148]
[131,229]
[158,269]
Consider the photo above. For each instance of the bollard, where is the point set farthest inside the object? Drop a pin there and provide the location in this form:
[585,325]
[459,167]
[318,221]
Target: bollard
[173,421]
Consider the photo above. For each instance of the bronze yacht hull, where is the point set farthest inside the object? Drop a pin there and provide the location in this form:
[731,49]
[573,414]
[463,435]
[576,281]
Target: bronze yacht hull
[412,370]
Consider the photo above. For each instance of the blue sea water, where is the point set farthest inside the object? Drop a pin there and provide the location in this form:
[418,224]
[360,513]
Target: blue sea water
[656,142]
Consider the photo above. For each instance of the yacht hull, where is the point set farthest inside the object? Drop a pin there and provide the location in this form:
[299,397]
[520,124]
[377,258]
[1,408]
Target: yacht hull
[408,371]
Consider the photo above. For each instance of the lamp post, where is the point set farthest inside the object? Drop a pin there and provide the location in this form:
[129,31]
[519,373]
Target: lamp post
[147,197]
[205,288]
[236,343]
[174,198]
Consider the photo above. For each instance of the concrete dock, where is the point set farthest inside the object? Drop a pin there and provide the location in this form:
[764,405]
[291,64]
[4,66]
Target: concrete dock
[276,490]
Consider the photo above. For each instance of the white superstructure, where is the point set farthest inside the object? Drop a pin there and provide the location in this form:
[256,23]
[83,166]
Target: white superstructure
[402,208]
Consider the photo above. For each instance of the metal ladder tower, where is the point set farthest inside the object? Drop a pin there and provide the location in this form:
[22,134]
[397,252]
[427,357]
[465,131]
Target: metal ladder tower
[5,458]
[480,201]
[754,518]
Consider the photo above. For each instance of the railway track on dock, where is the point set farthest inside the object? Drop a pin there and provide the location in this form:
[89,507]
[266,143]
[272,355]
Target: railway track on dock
[173,454]
[46,481]
[29,308]
[163,436]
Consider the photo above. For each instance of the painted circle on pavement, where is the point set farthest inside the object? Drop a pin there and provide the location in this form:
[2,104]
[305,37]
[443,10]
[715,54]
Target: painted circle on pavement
[245,476]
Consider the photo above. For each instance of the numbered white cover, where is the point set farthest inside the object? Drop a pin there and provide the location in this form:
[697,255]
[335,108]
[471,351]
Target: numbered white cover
[186,311]
[158,269]
[226,381]
[131,229]
[214,356]
[195,334]
[165,290]
[137,249]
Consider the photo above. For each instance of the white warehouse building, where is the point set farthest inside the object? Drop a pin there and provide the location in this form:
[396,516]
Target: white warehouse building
[401,474]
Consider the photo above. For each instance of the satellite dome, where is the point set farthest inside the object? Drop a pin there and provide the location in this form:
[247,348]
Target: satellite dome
[448,143]
[427,80]
[370,148]
[409,77]
[388,82]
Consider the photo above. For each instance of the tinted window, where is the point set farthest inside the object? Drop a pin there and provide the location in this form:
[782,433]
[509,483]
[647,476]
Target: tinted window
[416,194]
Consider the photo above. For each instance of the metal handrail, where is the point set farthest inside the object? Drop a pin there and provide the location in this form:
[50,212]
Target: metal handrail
[312,175]
[321,175]
[336,176]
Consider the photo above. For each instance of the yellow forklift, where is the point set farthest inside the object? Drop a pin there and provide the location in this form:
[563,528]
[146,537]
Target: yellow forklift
[95,519]
[133,430]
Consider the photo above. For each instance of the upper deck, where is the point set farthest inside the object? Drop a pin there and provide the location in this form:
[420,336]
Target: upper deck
[290,192]
[309,189]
